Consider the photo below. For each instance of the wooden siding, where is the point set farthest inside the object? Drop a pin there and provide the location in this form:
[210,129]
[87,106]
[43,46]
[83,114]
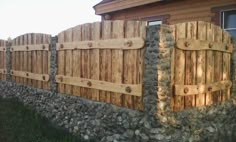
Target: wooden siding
[178,11]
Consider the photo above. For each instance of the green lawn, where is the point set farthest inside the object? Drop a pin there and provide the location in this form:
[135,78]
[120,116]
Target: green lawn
[21,124]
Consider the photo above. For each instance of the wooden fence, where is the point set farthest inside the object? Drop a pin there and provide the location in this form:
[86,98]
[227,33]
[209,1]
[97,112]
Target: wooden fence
[30,56]
[3,70]
[103,62]
[200,65]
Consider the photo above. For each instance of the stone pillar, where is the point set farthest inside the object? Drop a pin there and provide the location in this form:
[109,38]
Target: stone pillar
[150,73]
[233,69]
[53,65]
[8,60]
[166,46]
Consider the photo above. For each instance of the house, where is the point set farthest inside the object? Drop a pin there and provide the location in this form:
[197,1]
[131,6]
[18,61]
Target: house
[219,12]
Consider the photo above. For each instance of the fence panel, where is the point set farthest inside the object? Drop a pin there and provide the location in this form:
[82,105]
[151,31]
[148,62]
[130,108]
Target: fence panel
[30,56]
[103,62]
[201,68]
[3,70]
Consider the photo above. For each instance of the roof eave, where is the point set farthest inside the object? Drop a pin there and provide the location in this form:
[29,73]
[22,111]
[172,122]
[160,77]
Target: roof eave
[120,5]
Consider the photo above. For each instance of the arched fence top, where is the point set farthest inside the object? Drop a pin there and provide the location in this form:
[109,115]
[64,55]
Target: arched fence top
[201,63]
[31,38]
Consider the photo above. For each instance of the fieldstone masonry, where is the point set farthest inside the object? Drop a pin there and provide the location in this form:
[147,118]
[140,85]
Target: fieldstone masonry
[164,72]
[53,65]
[150,73]
[108,123]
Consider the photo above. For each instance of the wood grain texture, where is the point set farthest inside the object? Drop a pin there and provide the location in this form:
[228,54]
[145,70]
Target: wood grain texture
[103,65]
[68,60]
[180,32]
[177,11]
[3,60]
[120,43]
[118,61]
[31,61]
[61,62]
[218,58]
[77,58]
[209,64]
[201,63]
[105,61]
[85,60]
[23,74]
[95,58]
[193,45]
[202,88]
[136,89]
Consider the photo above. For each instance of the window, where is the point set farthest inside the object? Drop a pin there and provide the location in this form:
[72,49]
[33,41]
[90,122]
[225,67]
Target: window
[229,21]
[157,22]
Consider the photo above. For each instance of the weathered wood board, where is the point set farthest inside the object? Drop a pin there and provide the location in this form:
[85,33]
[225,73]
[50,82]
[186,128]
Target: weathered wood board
[104,53]
[200,65]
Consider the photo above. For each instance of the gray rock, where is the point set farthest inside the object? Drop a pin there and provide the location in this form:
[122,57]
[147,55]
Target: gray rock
[76,128]
[144,137]
[137,132]
[158,137]
[210,129]
[86,137]
[155,130]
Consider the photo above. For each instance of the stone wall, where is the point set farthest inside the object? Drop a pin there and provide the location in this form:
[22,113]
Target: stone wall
[108,123]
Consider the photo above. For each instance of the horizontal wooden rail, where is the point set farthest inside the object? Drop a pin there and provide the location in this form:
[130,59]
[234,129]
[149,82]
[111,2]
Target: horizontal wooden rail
[40,77]
[186,90]
[130,89]
[3,49]
[124,44]
[37,47]
[3,71]
[190,44]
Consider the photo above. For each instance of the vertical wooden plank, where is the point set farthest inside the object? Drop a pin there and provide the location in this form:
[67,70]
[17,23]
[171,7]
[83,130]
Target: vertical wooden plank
[22,59]
[29,59]
[140,64]
[173,27]
[39,63]
[25,42]
[34,60]
[94,58]
[201,63]
[179,65]
[17,60]
[13,61]
[218,65]
[76,59]
[85,70]
[117,61]
[68,60]
[44,62]
[209,64]
[192,33]
[61,62]
[130,65]
[226,66]
[105,61]
[48,41]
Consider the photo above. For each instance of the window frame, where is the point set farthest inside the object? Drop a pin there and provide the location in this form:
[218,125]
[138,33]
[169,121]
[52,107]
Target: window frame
[159,20]
[222,19]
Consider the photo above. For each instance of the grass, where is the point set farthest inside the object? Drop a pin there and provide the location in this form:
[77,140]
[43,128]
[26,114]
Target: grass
[21,124]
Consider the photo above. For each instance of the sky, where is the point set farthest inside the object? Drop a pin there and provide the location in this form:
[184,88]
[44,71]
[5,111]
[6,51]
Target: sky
[44,16]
